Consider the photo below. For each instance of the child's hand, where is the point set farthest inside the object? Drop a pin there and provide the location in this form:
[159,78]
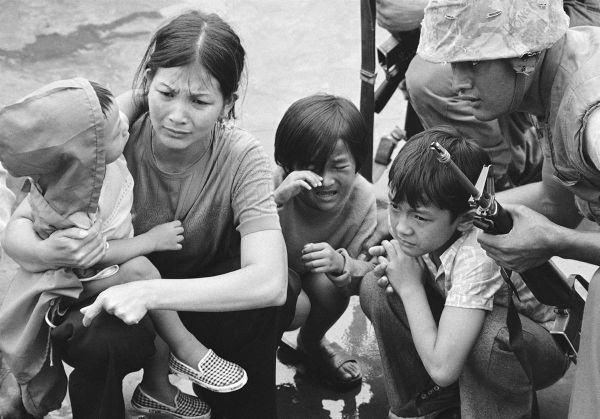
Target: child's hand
[403,272]
[167,236]
[381,277]
[377,251]
[322,258]
[293,184]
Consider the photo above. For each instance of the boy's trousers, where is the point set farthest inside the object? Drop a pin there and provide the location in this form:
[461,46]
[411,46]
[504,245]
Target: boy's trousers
[493,383]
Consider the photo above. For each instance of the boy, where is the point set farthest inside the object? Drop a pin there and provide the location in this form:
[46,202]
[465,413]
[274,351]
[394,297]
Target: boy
[442,317]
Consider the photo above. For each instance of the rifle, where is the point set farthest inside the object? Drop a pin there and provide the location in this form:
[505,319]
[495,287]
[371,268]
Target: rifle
[394,56]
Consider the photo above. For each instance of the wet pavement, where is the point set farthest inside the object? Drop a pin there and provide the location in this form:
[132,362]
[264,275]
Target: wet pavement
[294,49]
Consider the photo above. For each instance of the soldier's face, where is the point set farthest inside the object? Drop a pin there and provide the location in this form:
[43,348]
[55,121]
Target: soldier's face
[487,87]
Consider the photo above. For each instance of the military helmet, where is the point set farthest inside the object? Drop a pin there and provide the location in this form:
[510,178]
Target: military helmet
[477,30]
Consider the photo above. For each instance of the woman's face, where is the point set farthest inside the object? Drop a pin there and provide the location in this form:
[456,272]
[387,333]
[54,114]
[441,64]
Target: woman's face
[185,103]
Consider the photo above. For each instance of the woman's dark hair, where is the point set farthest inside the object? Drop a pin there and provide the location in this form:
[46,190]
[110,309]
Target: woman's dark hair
[310,129]
[194,37]
[105,97]
[418,178]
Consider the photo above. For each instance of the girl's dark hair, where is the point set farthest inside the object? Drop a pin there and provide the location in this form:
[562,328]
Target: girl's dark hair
[310,129]
[105,97]
[418,178]
[194,37]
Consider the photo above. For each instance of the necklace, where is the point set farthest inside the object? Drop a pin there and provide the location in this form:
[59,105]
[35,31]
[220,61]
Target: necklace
[179,167]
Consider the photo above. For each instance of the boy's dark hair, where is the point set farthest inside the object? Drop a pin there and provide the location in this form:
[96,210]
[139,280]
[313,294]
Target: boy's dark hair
[310,129]
[105,97]
[418,178]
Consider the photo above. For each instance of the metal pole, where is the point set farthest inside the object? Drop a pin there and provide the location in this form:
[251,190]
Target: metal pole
[367,76]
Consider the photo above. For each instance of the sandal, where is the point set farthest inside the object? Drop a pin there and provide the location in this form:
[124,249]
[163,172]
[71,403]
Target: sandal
[325,359]
[214,373]
[186,406]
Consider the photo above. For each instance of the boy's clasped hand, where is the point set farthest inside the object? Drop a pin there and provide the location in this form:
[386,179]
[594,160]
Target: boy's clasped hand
[396,271]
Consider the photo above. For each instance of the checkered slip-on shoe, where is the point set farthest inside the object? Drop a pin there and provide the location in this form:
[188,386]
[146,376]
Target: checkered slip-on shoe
[213,373]
[186,406]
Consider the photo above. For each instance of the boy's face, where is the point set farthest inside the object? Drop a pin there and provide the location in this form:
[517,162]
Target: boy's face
[338,175]
[421,230]
[116,130]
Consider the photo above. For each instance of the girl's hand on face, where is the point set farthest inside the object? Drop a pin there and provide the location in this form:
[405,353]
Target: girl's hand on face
[403,272]
[126,301]
[322,258]
[167,236]
[294,183]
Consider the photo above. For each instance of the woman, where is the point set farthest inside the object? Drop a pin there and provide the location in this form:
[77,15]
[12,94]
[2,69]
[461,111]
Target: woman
[189,164]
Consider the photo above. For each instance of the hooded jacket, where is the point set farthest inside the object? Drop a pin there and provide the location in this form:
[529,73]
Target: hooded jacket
[54,136]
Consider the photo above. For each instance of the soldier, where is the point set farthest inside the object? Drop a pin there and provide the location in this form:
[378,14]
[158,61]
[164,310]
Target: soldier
[509,55]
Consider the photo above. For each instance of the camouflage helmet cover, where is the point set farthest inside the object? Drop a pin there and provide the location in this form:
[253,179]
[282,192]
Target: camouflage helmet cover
[476,30]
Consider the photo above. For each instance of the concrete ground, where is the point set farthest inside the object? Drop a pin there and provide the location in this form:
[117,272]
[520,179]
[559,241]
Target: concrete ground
[294,48]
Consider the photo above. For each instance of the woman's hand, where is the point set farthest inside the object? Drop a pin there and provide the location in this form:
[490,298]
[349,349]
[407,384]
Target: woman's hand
[402,271]
[527,245]
[167,236]
[322,258]
[129,302]
[293,184]
[74,247]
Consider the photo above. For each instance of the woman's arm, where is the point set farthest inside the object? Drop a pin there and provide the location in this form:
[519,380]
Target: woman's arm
[261,282]
[73,247]
[128,105]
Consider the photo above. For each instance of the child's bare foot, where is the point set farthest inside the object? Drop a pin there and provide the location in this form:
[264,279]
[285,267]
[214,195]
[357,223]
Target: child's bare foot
[331,362]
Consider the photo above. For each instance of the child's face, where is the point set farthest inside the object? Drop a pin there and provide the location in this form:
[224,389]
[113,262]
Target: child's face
[338,175]
[421,230]
[116,131]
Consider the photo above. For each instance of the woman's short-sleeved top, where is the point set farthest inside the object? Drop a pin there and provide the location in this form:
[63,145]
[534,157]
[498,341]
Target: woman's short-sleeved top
[226,194]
